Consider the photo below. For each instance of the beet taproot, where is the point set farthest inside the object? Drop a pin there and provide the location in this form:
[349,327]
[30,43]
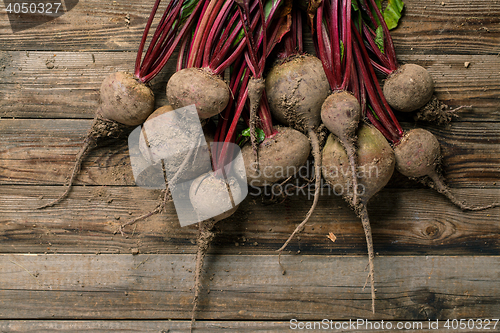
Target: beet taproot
[376,163]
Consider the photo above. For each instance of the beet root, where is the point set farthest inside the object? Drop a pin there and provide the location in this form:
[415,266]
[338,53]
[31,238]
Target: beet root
[296,90]
[418,156]
[169,138]
[408,88]
[208,195]
[341,113]
[280,156]
[375,167]
[437,112]
[199,87]
[125,100]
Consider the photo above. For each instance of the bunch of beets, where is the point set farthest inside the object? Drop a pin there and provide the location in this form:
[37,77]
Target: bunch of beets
[242,64]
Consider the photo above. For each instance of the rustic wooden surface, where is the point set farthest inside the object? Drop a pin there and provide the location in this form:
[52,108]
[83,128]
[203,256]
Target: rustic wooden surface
[66,269]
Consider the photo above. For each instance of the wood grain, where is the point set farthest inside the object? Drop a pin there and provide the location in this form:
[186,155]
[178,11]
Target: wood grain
[246,287]
[212,326]
[405,221]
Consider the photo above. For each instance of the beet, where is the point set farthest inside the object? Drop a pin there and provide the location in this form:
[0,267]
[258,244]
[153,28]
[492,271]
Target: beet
[166,137]
[208,194]
[418,156]
[341,113]
[199,87]
[376,163]
[280,156]
[408,88]
[296,88]
[124,102]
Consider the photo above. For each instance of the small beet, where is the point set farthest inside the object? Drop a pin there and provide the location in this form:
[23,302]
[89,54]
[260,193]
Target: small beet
[418,155]
[208,195]
[341,113]
[199,87]
[408,88]
[176,142]
[280,156]
[124,102]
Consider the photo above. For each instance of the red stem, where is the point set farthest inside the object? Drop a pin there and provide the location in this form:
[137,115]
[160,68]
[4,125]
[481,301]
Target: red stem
[374,48]
[372,95]
[215,31]
[346,22]
[144,37]
[389,47]
[377,86]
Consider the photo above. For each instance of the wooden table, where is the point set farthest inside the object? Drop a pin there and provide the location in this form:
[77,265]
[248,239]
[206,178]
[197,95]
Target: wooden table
[65,269]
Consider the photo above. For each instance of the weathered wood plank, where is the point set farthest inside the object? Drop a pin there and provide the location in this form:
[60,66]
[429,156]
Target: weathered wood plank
[247,287]
[458,27]
[448,27]
[42,151]
[177,326]
[70,87]
[409,221]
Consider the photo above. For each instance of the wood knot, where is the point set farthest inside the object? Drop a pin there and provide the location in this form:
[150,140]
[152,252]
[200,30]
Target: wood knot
[432,231]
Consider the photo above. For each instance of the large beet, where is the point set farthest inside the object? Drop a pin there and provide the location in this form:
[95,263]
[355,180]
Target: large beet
[296,89]
[376,163]
[408,88]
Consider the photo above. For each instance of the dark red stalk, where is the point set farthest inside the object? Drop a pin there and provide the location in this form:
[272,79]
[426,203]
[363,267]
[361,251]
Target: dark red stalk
[144,36]
[334,26]
[217,27]
[375,83]
[181,59]
[346,24]
[369,34]
[375,97]
[323,47]
[388,44]
[232,129]
[227,31]
[162,31]
[186,27]
[206,34]
[265,117]
[199,32]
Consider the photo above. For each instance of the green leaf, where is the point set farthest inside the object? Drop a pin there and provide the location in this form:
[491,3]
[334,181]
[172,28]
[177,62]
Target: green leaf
[379,38]
[245,132]
[260,134]
[392,13]
[354,4]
